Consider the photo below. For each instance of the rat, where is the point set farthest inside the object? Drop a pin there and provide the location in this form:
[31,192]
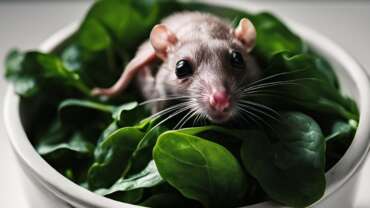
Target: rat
[203,60]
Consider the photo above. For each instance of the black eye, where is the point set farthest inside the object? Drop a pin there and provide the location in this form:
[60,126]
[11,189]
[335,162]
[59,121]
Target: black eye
[183,69]
[237,60]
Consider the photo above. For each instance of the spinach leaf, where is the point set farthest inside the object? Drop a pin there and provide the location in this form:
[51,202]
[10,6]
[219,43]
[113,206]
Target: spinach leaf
[148,177]
[234,133]
[307,86]
[342,130]
[85,104]
[76,143]
[108,37]
[33,72]
[68,150]
[111,157]
[129,114]
[274,37]
[59,138]
[76,112]
[217,179]
[341,134]
[288,164]
[143,152]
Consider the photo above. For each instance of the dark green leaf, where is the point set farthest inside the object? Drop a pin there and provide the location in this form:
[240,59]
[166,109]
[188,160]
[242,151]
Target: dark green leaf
[217,179]
[63,139]
[148,177]
[288,164]
[32,72]
[77,144]
[309,87]
[111,157]
[129,114]
[77,112]
[143,152]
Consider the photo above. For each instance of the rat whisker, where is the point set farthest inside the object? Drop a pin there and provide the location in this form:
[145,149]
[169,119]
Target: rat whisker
[182,119]
[173,109]
[256,116]
[193,112]
[247,110]
[203,118]
[264,92]
[249,116]
[271,116]
[286,81]
[261,94]
[274,76]
[251,103]
[172,115]
[271,91]
[197,117]
[274,84]
[166,110]
[294,82]
[247,119]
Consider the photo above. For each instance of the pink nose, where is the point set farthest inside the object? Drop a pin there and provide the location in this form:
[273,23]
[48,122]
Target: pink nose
[219,100]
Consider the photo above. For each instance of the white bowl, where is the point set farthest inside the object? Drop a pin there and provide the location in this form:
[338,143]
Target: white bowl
[48,184]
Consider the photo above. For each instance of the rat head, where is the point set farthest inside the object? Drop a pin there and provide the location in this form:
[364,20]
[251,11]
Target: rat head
[211,70]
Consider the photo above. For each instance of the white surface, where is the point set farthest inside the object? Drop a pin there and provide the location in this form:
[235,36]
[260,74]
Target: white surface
[25,25]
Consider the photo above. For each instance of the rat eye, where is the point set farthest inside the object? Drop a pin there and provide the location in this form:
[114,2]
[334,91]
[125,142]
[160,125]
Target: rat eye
[183,69]
[237,60]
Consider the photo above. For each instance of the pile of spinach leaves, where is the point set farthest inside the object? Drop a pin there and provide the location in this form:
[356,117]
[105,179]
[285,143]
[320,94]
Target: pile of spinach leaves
[113,148]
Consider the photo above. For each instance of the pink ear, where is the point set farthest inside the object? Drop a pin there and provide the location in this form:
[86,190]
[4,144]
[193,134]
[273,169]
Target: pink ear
[162,39]
[246,33]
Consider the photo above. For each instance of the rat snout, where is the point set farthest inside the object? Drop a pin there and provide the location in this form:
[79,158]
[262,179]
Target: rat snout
[220,100]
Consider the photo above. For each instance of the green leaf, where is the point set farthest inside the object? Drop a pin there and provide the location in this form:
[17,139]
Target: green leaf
[143,152]
[273,37]
[148,177]
[32,72]
[76,112]
[338,140]
[77,143]
[129,114]
[117,114]
[342,129]
[59,139]
[310,88]
[288,164]
[85,104]
[93,36]
[112,156]
[217,179]
[235,133]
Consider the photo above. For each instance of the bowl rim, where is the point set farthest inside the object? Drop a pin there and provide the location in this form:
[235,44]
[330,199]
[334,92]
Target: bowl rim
[75,194]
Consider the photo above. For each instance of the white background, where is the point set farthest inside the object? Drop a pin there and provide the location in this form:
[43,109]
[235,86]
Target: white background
[25,25]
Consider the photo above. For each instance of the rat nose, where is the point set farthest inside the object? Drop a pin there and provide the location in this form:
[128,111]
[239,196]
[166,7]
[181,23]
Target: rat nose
[219,100]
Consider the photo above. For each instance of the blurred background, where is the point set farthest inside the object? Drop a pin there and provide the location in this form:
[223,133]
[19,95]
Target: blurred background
[24,24]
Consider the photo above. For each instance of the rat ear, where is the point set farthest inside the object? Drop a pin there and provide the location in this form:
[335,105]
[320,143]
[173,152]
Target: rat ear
[162,39]
[246,33]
